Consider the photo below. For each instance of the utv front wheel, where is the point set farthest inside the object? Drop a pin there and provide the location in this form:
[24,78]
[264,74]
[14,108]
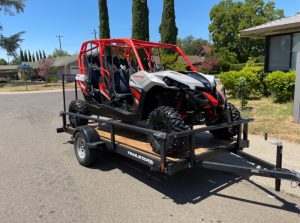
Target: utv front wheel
[78,107]
[227,133]
[166,119]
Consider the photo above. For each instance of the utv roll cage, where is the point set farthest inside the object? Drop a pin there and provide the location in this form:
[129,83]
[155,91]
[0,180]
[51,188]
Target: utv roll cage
[127,48]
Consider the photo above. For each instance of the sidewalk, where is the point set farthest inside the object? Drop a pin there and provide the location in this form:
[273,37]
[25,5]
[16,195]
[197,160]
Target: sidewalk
[266,151]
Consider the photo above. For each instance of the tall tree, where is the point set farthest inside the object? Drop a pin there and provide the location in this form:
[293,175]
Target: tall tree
[40,54]
[59,53]
[11,43]
[140,20]
[190,45]
[229,17]
[33,57]
[44,55]
[168,30]
[37,56]
[21,55]
[3,62]
[45,67]
[103,19]
[25,56]
[29,56]
[11,7]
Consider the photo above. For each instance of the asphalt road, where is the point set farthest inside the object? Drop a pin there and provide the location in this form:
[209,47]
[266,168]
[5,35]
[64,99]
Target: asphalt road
[41,180]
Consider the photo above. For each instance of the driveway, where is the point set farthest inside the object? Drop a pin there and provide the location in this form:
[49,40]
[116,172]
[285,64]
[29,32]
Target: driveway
[41,180]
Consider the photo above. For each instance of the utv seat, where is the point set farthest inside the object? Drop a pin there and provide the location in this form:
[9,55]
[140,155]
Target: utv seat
[121,79]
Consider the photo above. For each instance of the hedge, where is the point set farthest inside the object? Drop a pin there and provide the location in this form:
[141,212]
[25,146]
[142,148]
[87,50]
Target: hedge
[282,85]
[231,79]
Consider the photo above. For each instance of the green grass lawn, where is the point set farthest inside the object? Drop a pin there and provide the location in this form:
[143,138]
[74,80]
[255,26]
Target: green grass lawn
[273,118]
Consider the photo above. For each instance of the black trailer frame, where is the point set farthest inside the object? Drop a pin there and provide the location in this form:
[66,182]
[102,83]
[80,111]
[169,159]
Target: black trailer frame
[160,162]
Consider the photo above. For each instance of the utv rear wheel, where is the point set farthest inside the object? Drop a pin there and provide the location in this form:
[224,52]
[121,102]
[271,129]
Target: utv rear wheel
[78,107]
[167,119]
[227,133]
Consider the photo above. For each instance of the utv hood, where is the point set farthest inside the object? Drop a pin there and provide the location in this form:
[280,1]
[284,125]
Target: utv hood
[191,82]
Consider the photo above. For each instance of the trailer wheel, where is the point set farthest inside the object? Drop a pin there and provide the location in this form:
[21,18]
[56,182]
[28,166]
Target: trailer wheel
[227,133]
[78,107]
[167,119]
[85,156]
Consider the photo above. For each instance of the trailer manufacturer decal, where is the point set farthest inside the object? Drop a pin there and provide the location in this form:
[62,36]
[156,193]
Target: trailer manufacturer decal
[147,160]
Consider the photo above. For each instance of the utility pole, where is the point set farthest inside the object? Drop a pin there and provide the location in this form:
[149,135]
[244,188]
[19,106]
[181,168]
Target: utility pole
[59,39]
[95,33]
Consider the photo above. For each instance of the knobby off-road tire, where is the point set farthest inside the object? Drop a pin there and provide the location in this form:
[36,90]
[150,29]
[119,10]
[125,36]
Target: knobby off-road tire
[85,156]
[78,107]
[167,119]
[227,133]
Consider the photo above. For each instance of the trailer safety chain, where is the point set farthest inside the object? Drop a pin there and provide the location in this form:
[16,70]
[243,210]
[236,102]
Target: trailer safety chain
[295,184]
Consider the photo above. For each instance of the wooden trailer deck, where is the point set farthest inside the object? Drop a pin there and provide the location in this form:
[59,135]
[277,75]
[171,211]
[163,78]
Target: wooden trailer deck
[206,144]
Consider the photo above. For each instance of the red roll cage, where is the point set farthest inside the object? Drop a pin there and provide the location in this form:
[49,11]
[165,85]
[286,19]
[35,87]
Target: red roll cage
[129,46]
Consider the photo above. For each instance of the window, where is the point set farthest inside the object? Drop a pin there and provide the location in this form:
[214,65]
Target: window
[280,52]
[295,49]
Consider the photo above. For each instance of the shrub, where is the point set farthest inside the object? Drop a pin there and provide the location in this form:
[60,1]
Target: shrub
[237,67]
[52,79]
[224,66]
[282,85]
[170,61]
[231,79]
[242,91]
[259,72]
[209,65]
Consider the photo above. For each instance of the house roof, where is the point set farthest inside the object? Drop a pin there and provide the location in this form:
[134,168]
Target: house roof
[205,48]
[8,67]
[280,26]
[58,61]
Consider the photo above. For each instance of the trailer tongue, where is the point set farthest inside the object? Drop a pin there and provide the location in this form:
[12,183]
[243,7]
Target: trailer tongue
[129,140]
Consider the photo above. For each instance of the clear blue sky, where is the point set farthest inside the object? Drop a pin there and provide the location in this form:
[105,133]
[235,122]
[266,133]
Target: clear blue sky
[75,20]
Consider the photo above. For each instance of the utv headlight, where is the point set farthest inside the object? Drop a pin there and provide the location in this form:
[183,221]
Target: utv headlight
[172,83]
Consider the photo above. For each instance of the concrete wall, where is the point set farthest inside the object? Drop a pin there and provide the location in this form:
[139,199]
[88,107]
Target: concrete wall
[297,92]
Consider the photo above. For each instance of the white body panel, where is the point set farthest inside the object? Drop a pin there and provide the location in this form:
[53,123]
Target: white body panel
[210,78]
[144,80]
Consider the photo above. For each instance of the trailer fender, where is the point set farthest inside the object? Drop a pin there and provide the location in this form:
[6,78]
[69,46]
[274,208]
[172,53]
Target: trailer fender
[91,135]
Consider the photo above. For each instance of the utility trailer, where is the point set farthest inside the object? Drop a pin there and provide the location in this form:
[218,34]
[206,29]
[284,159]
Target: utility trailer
[129,140]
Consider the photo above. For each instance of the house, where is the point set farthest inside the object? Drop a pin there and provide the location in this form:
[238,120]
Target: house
[66,65]
[282,38]
[204,51]
[8,72]
[62,65]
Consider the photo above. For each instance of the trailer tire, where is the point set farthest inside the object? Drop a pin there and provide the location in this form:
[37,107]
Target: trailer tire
[227,133]
[85,156]
[78,107]
[167,119]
